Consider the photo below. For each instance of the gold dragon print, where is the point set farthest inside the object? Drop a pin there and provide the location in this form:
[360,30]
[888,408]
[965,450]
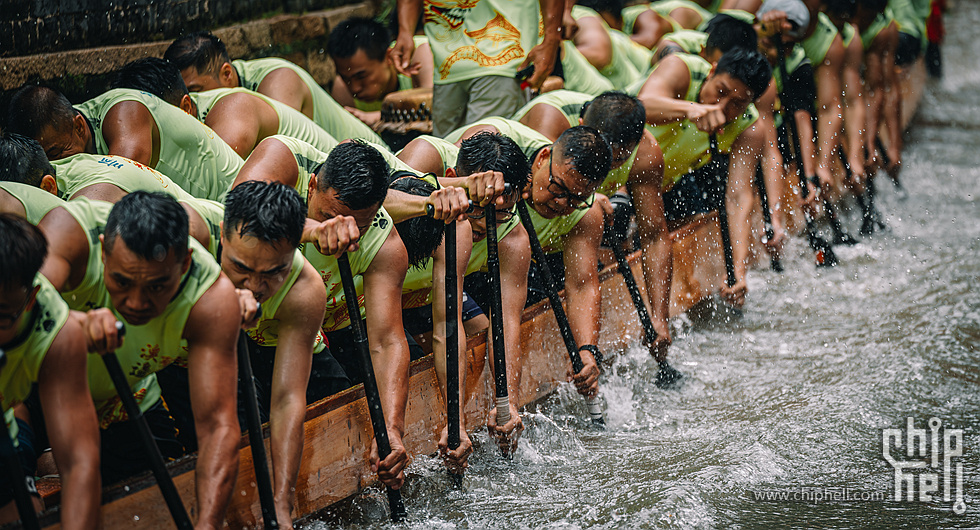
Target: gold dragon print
[448,17]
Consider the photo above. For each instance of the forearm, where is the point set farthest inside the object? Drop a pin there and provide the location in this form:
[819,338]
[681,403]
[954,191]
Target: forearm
[874,99]
[658,262]
[661,110]
[582,294]
[81,491]
[286,426]
[830,117]
[856,114]
[402,206]
[408,16]
[217,468]
[551,15]
[390,360]
[804,139]
[892,108]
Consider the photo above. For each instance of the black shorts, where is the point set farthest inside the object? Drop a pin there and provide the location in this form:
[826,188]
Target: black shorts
[27,456]
[699,191]
[344,351]
[418,320]
[908,50]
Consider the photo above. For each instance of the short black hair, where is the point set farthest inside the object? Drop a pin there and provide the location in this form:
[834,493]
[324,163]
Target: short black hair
[155,76]
[22,160]
[586,150]
[726,32]
[357,172]
[24,249]
[358,33]
[487,151]
[202,50]
[749,67]
[421,235]
[619,117]
[33,107]
[151,225]
[269,211]
[844,9]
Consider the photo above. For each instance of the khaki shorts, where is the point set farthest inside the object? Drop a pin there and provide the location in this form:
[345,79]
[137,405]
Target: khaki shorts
[458,104]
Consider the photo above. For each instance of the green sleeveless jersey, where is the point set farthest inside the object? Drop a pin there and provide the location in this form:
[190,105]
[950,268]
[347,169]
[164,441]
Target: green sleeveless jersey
[551,232]
[291,121]
[448,151]
[664,7]
[525,137]
[685,148]
[879,23]
[907,17]
[91,216]
[476,39]
[336,316]
[620,71]
[37,202]
[155,345]
[639,55]
[327,113]
[567,102]
[737,14]
[404,82]
[580,75]
[80,171]
[818,43]
[190,153]
[417,289]
[847,34]
[691,41]
[308,159]
[631,13]
[26,352]
[266,332]
[617,177]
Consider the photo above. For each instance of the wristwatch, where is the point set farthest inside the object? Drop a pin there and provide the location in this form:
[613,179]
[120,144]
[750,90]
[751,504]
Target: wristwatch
[594,350]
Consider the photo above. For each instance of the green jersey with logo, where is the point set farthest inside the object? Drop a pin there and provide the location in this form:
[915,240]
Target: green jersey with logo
[567,102]
[191,154]
[77,172]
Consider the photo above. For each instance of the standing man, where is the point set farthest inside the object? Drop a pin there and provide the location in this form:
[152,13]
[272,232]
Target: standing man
[477,48]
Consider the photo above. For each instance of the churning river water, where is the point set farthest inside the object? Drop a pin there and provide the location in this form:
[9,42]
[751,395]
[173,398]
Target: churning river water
[780,423]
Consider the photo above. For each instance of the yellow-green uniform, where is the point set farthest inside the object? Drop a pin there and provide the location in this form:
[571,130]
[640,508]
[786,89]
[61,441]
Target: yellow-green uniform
[155,345]
[567,102]
[631,13]
[580,75]
[529,140]
[684,147]
[80,171]
[327,113]
[551,232]
[877,25]
[476,39]
[195,158]
[665,7]
[291,121]
[620,71]
[25,353]
[640,56]
[910,19]
[818,43]
[37,202]
[266,332]
[448,152]
[404,82]
[690,40]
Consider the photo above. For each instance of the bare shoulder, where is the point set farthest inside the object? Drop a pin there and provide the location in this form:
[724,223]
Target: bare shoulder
[306,297]
[216,314]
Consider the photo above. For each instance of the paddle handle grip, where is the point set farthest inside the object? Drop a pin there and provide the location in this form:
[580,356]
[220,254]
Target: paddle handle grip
[503,410]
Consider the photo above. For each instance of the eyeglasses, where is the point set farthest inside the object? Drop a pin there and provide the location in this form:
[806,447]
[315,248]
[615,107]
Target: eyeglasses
[479,212]
[575,201]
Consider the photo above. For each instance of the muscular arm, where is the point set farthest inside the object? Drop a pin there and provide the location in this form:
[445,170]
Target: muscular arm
[547,120]
[67,259]
[341,93]
[739,199]
[515,259]
[129,131]
[856,112]
[464,238]
[270,161]
[772,160]
[644,185]
[829,109]
[299,318]
[386,337]
[663,93]
[878,61]
[649,28]
[422,156]
[581,257]
[72,426]
[242,120]
[593,41]
[286,86]
[211,333]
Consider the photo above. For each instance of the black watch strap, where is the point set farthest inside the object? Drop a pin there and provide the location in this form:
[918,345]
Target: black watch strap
[594,350]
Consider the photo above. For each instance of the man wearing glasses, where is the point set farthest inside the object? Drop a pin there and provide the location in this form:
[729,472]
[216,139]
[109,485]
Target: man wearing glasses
[568,217]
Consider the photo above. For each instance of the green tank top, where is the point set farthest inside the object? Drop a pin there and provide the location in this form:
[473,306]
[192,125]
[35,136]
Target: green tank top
[448,152]
[525,137]
[336,316]
[80,171]
[551,232]
[847,33]
[476,39]
[91,216]
[737,14]
[617,177]
[907,17]
[620,71]
[26,352]
[640,56]
[685,148]
[691,41]
[37,202]
[879,23]
[155,345]
[266,332]
[190,153]
[818,43]
[291,121]
[404,82]
[580,75]
[664,7]
[308,159]
[327,113]
[567,102]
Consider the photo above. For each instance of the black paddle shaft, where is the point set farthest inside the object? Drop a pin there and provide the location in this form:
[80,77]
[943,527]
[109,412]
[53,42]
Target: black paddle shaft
[256,440]
[726,235]
[452,348]
[15,476]
[157,465]
[774,262]
[595,403]
[823,251]
[497,319]
[370,383]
